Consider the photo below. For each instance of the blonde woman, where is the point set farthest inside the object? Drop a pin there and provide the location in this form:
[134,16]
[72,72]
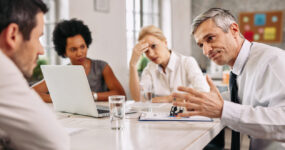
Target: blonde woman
[166,70]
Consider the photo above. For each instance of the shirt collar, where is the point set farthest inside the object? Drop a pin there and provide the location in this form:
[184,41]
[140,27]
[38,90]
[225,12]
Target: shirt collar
[242,57]
[171,64]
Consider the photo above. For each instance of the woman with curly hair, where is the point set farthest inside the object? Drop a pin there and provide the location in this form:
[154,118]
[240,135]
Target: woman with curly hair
[71,39]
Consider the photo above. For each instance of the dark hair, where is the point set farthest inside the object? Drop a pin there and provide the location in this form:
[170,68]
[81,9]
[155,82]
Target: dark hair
[21,12]
[69,28]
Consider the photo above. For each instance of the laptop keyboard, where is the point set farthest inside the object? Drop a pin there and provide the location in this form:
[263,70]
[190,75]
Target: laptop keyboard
[102,109]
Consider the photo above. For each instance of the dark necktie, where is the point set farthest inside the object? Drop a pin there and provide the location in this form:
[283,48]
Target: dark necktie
[235,145]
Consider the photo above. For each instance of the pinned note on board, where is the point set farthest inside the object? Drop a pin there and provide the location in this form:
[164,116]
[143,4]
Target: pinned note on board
[247,27]
[256,37]
[261,30]
[259,19]
[245,19]
[274,19]
[262,26]
[248,35]
[269,33]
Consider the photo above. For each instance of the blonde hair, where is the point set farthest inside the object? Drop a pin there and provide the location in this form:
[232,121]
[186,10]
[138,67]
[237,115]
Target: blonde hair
[151,30]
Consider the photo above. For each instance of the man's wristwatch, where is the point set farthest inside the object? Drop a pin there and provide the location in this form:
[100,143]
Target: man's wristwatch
[95,95]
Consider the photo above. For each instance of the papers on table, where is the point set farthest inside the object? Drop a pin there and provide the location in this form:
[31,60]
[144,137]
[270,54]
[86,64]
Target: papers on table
[149,116]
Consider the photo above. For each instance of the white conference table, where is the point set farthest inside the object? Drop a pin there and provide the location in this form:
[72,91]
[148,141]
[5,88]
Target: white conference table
[95,133]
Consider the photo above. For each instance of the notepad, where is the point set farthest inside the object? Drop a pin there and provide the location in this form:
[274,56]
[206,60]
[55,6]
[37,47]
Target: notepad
[149,116]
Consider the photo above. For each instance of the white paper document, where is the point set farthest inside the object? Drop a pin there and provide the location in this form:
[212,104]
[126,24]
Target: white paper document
[149,116]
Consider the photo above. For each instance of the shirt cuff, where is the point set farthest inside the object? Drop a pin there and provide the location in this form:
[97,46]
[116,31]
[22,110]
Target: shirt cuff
[231,114]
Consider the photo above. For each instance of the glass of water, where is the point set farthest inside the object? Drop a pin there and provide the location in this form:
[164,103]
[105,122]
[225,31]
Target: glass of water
[117,111]
[142,99]
[148,92]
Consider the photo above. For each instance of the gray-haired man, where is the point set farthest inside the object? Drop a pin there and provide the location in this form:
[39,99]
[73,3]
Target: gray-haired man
[257,106]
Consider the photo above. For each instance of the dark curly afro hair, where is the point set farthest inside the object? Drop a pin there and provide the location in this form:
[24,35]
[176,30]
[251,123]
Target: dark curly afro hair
[66,29]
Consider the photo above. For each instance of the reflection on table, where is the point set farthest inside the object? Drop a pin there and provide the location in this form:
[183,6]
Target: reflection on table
[88,133]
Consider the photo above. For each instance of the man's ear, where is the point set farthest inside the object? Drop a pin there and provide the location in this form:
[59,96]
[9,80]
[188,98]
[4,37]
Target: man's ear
[234,29]
[12,37]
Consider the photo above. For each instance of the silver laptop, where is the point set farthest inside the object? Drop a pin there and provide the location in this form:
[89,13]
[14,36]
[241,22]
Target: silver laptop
[70,91]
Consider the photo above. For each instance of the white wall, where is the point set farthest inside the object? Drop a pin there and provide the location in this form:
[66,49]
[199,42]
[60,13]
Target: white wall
[181,14]
[108,32]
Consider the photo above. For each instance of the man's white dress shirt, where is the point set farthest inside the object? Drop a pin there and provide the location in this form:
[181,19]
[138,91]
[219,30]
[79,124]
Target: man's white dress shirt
[180,71]
[261,90]
[26,120]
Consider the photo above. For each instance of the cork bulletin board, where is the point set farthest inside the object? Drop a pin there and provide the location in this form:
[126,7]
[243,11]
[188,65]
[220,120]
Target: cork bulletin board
[262,26]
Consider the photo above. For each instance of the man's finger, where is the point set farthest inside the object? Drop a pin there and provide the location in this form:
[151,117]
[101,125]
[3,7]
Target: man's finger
[189,114]
[182,104]
[188,106]
[187,97]
[213,87]
[192,106]
[180,95]
[190,91]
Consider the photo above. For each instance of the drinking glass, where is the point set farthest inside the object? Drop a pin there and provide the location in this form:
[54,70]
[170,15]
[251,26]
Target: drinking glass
[117,111]
[148,93]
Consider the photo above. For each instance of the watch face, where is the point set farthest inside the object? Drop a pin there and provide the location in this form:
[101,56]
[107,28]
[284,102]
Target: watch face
[95,96]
